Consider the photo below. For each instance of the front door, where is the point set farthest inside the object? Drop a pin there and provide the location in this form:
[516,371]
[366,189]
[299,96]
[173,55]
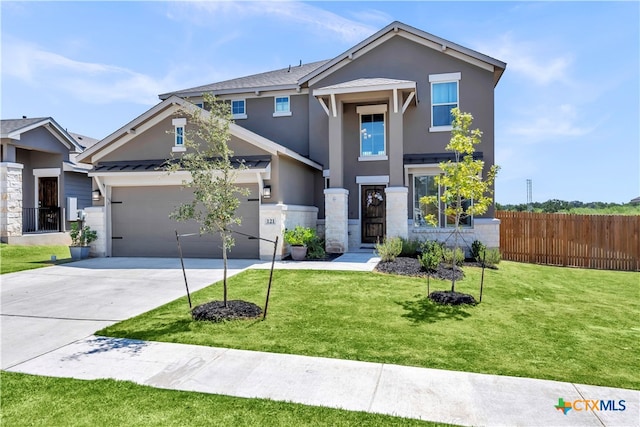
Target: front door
[373,208]
[48,192]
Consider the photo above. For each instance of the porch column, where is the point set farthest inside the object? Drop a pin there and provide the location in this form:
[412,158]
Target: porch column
[396,141]
[397,212]
[336,150]
[336,213]
[10,200]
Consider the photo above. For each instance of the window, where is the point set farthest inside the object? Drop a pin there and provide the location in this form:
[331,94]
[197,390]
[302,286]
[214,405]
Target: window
[179,126]
[282,106]
[239,109]
[425,185]
[372,132]
[444,98]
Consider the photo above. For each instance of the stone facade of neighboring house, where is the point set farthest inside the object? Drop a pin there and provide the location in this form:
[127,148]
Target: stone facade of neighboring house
[41,184]
[347,145]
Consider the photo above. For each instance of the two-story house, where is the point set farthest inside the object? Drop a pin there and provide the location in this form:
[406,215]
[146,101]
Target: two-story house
[347,145]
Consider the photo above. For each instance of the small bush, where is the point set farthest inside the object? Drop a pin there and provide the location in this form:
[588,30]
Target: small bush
[315,248]
[477,248]
[299,236]
[389,249]
[410,247]
[431,256]
[493,257]
[450,255]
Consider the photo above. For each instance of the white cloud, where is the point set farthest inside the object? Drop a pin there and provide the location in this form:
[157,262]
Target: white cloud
[89,82]
[530,60]
[323,22]
[548,123]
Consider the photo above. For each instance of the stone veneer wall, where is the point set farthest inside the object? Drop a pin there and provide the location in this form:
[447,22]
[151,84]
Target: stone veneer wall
[397,212]
[487,230]
[96,219]
[10,200]
[336,226]
[275,219]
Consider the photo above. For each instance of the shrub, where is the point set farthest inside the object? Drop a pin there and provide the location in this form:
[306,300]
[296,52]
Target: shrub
[493,257]
[315,248]
[477,248]
[299,236]
[431,255]
[389,249]
[451,254]
[82,236]
[410,247]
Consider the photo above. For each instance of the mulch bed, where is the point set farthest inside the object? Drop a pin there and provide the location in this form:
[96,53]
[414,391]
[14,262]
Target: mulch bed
[405,266]
[451,298]
[215,311]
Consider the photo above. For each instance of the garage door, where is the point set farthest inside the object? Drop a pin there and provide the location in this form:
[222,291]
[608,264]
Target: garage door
[141,226]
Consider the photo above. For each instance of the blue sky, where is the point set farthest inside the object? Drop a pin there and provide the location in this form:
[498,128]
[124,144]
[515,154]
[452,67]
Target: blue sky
[567,107]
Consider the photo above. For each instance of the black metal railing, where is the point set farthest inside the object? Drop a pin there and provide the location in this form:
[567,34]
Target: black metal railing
[38,220]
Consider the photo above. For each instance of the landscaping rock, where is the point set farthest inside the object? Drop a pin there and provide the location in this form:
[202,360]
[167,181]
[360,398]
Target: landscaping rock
[215,311]
[451,298]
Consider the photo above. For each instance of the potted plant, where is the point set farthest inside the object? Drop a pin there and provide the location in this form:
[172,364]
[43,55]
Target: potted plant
[298,239]
[81,238]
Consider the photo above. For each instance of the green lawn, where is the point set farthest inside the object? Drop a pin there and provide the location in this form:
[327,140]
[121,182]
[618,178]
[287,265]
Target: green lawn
[43,401]
[535,321]
[17,258]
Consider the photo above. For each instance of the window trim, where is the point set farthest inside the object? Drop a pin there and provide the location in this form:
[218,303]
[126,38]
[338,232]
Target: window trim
[438,79]
[277,113]
[362,110]
[179,123]
[242,115]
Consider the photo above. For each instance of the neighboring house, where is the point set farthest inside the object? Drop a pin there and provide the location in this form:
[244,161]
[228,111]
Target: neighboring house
[42,185]
[347,145]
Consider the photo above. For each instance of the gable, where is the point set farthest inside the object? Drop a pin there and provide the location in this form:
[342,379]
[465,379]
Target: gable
[400,30]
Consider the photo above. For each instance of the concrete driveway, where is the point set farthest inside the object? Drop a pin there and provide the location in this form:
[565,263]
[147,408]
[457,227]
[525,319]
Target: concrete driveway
[45,309]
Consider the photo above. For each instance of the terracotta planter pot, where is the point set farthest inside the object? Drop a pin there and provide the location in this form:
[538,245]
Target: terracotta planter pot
[298,253]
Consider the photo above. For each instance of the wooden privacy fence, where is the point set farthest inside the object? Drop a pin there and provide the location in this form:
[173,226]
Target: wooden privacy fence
[606,242]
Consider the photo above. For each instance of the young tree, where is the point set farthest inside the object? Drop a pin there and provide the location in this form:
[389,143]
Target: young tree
[208,159]
[464,192]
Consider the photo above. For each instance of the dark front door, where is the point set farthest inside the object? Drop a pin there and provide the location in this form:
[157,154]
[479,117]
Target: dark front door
[373,213]
[48,197]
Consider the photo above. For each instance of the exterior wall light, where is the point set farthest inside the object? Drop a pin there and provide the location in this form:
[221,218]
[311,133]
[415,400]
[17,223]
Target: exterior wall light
[266,192]
[95,195]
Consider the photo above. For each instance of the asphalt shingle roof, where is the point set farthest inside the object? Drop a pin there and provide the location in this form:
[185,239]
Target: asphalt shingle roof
[284,77]
[9,125]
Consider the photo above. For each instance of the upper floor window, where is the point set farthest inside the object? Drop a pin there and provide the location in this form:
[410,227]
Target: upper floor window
[372,132]
[282,106]
[444,98]
[179,128]
[239,109]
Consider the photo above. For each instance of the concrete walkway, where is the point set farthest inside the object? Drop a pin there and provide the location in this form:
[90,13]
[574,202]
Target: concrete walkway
[428,394]
[49,316]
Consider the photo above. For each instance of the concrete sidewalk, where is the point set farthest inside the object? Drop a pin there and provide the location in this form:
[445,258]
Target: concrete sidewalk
[428,394]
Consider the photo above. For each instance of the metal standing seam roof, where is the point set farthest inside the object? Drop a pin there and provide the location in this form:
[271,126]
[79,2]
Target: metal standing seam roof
[251,162]
[362,83]
[433,158]
[282,77]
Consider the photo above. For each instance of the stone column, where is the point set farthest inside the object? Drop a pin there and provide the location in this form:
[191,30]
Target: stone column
[10,200]
[97,220]
[397,212]
[336,212]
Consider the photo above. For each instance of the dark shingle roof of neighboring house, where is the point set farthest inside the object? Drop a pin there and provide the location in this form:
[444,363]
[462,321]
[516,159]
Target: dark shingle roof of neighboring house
[285,78]
[11,125]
